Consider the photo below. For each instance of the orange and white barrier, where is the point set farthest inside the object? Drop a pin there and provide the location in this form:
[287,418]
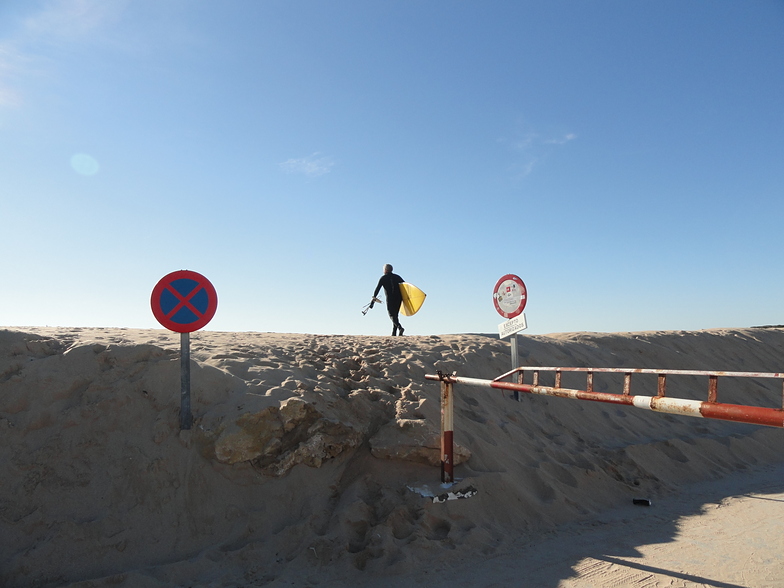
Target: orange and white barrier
[711,408]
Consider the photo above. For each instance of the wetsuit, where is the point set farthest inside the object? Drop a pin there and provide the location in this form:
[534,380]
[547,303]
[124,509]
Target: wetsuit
[391,284]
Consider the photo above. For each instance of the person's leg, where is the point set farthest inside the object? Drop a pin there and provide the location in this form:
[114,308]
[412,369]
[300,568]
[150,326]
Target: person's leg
[397,321]
[397,328]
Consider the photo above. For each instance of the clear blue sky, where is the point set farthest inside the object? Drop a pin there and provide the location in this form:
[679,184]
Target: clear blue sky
[625,159]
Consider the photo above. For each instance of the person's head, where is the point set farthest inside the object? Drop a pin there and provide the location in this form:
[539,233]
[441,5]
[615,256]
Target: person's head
[387,268]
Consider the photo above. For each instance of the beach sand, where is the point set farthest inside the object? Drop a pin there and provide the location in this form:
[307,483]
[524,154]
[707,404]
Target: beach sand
[313,460]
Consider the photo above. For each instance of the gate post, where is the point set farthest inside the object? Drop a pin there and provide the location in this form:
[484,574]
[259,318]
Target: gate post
[447,432]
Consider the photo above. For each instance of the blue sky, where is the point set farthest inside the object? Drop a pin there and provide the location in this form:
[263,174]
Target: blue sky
[625,159]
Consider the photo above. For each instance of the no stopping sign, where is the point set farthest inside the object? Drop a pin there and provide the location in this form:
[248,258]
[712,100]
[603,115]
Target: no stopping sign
[184,301]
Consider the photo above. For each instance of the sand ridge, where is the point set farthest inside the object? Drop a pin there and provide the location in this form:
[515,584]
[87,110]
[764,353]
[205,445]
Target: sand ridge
[311,456]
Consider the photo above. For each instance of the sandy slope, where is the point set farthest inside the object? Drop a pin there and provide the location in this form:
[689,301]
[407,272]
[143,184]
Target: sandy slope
[722,534]
[310,456]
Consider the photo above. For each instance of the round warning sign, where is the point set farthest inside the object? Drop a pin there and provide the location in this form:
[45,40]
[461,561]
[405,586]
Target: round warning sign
[184,301]
[510,296]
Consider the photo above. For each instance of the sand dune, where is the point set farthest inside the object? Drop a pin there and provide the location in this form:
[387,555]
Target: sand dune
[311,457]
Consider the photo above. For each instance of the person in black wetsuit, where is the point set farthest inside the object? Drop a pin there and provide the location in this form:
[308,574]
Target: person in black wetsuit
[391,284]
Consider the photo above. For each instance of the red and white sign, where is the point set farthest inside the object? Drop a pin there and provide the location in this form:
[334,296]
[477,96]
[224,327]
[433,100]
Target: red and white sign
[510,296]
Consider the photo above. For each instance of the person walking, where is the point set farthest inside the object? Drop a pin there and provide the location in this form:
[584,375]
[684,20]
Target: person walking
[391,284]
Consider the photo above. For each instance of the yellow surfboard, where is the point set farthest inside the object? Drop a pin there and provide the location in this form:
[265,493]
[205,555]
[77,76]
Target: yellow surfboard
[413,298]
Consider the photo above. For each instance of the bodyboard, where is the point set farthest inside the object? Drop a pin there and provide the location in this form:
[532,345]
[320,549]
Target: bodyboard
[413,298]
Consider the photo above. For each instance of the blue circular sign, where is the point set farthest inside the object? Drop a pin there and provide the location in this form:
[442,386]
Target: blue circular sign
[184,301]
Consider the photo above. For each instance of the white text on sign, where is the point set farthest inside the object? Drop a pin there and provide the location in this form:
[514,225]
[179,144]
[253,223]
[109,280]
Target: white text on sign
[512,326]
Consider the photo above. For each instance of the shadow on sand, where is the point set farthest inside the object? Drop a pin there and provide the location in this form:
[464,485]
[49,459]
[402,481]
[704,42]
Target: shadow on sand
[597,552]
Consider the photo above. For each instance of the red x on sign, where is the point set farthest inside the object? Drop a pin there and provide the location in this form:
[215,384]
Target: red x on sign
[184,301]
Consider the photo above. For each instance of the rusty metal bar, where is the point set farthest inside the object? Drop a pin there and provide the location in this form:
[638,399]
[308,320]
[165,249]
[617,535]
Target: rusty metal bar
[661,374]
[661,388]
[775,375]
[713,388]
[772,417]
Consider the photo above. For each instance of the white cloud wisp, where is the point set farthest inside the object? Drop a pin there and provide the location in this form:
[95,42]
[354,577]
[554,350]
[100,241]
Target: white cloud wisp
[311,166]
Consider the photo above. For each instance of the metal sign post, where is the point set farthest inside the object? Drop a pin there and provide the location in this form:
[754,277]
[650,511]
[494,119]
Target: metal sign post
[509,297]
[186,418]
[184,301]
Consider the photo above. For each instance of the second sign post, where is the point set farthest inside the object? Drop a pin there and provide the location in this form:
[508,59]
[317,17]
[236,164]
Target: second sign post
[510,297]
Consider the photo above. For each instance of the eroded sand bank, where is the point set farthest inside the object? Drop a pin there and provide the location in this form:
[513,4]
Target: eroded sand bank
[311,456]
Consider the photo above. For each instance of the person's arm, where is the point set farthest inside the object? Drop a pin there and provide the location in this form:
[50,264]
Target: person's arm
[379,286]
[377,290]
